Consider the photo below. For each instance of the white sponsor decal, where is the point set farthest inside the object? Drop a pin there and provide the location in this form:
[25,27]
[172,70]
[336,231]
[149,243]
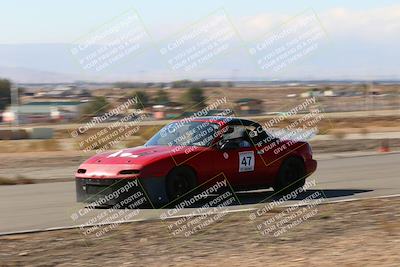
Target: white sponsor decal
[246,161]
[123,155]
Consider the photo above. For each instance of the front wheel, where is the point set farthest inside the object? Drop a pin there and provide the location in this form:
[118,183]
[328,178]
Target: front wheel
[291,176]
[179,182]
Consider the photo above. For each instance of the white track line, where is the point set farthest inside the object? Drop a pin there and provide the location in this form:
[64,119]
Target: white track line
[182,216]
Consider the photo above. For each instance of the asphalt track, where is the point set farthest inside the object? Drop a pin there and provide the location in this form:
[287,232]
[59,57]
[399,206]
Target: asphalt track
[50,205]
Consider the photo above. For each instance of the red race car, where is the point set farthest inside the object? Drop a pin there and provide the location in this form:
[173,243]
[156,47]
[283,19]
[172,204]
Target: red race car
[189,152]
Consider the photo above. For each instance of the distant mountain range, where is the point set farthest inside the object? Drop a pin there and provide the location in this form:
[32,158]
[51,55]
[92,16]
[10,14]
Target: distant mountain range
[54,63]
[25,75]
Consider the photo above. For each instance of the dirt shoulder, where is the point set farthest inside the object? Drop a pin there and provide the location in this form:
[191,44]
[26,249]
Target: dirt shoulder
[358,233]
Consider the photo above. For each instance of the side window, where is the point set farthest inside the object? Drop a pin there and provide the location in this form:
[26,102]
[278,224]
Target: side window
[238,135]
[233,135]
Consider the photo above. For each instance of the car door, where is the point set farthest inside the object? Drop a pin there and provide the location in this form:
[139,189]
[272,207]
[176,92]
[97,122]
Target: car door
[241,165]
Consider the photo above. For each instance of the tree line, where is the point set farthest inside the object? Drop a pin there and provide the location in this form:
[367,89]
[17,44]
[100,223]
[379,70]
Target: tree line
[192,99]
[5,93]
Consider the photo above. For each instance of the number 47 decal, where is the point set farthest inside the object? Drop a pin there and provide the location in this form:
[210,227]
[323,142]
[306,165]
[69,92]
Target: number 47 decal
[246,161]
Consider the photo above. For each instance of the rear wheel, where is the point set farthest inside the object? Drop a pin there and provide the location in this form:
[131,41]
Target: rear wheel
[291,176]
[180,181]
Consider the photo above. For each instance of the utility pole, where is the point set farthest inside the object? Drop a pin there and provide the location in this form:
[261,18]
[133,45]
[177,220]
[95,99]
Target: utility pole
[234,77]
[372,95]
[15,103]
[366,107]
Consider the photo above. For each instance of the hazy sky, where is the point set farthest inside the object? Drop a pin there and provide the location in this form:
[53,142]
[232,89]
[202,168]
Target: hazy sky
[364,34]
[43,21]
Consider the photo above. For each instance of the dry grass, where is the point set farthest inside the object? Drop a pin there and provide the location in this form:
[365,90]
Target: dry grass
[15,181]
[116,138]
[132,142]
[13,134]
[339,134]
[45,145]
[364,131]
[335,236]
[12,146]
[148,132]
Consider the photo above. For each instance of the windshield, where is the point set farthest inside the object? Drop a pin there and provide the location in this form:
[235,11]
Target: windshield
[181,133]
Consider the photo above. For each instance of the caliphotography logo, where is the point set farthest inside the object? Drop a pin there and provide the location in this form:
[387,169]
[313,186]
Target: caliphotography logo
[212,133]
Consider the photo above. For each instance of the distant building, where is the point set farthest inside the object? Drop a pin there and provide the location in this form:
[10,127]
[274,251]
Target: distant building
[30,114]
[329,93]
[306,94]
[170,111]
[249,106]
[34,112]
[64,92]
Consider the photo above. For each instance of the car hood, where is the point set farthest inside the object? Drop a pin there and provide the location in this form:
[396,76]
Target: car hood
[110,164]
[129,155]
[137,155]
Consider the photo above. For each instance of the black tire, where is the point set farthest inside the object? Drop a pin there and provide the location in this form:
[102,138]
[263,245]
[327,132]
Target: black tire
[291,176]
[180,181]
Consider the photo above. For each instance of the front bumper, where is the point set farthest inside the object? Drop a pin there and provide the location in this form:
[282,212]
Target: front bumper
[121,193]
